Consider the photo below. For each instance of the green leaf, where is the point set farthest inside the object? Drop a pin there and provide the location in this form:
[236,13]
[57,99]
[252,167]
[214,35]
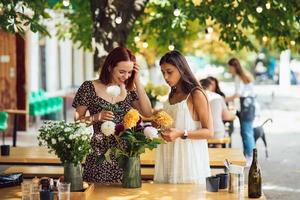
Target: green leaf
[107,156]
[121,161]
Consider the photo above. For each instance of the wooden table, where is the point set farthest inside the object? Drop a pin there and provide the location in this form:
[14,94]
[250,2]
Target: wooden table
[148,191]
[216,157]
[40,156]
[15,113]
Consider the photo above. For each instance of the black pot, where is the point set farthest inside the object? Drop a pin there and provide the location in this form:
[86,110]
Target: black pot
[5,149]
[223,180]
[212,183]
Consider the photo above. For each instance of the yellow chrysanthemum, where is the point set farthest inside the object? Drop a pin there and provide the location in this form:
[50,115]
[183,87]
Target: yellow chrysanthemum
[163,119]
[131,118]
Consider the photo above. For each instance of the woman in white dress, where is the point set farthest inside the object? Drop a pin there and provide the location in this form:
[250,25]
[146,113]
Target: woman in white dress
[184,158]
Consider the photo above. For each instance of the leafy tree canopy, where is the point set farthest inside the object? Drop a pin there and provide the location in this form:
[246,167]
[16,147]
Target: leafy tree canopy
[93,23]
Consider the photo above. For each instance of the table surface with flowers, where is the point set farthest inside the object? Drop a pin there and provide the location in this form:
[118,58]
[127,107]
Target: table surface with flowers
[149,190]
[40,155]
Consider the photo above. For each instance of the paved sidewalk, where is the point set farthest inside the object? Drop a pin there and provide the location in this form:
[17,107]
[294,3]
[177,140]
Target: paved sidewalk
[281,171]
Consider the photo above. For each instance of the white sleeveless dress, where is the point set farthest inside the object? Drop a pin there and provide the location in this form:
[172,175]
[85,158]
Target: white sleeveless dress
[182,161]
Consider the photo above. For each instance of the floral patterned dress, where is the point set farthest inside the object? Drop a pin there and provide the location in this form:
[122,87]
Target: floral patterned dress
[93,171]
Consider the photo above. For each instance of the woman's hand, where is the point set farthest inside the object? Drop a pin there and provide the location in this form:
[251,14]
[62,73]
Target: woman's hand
[104,115]
[136,69]
[171,134]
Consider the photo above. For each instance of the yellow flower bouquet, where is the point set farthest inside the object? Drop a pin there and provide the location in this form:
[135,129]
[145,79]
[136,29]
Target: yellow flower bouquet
[133,137]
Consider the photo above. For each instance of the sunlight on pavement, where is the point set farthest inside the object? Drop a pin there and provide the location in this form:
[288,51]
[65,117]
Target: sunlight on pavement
[280,188]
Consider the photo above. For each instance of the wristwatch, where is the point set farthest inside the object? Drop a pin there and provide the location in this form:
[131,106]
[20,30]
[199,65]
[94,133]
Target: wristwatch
[185,135]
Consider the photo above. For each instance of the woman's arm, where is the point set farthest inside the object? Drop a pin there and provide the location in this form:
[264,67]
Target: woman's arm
[80,115]
[203,113]
[232,98]
[143,104]
[227,115]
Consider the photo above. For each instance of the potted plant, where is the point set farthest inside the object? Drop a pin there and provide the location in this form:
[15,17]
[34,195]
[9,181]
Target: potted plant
[137,136]
[71,143]
[3,126]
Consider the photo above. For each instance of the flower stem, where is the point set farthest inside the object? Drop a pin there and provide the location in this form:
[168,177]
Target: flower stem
[119,144]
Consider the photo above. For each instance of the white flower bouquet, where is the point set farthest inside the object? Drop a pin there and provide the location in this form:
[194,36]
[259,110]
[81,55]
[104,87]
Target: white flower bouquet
[69,141]
[137,135]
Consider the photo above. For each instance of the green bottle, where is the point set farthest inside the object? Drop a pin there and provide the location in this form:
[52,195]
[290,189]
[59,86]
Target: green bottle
[254,178]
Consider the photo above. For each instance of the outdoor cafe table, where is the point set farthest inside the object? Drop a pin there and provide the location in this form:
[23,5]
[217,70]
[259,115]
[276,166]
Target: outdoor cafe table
[148,191]
[40,156]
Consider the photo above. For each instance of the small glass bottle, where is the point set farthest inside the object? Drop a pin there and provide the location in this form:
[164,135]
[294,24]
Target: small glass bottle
[254,178]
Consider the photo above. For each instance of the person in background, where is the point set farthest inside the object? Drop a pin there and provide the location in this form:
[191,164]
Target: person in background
[244,91]
[218,108]
[184,158]
[119,68]
[215,86]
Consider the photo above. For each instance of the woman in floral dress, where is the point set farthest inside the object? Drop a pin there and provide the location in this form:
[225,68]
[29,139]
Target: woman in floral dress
[119,68]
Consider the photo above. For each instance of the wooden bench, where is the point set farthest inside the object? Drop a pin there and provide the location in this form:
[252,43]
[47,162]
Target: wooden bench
[40,156]
[219,141]
[216,157]
[57,171]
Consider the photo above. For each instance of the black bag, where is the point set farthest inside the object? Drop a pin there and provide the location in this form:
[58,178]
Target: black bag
[247,108]
[8,180]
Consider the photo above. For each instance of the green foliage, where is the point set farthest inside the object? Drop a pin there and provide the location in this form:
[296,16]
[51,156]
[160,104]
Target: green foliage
[69,141]
[236,21]
[18,16]
[78,26]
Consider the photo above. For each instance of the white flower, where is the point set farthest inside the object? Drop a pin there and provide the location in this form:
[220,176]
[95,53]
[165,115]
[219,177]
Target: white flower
[69,146]
[113,90]
[84,137]
[79,148]
[53,141]
[67,129]
[60,139]
[22,8]
[150,132]
[71,137]
[108,128]
[79,131]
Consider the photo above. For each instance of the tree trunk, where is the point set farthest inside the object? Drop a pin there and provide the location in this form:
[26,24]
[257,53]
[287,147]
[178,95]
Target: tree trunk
[106,33]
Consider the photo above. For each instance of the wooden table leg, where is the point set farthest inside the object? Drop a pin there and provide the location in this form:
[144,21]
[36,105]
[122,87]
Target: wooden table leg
[15,130]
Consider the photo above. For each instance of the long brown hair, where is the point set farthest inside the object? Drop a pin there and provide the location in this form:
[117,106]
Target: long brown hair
[117,55]
[188,80]
[242,73]
[218,90]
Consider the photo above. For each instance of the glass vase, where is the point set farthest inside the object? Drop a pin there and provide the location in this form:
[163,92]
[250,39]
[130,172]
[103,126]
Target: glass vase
[73,175]
[132,173]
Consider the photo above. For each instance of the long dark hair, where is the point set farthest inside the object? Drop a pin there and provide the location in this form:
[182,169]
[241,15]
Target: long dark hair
[218,90]
[118,54]
[188,80]
[205,83]
[234,62]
